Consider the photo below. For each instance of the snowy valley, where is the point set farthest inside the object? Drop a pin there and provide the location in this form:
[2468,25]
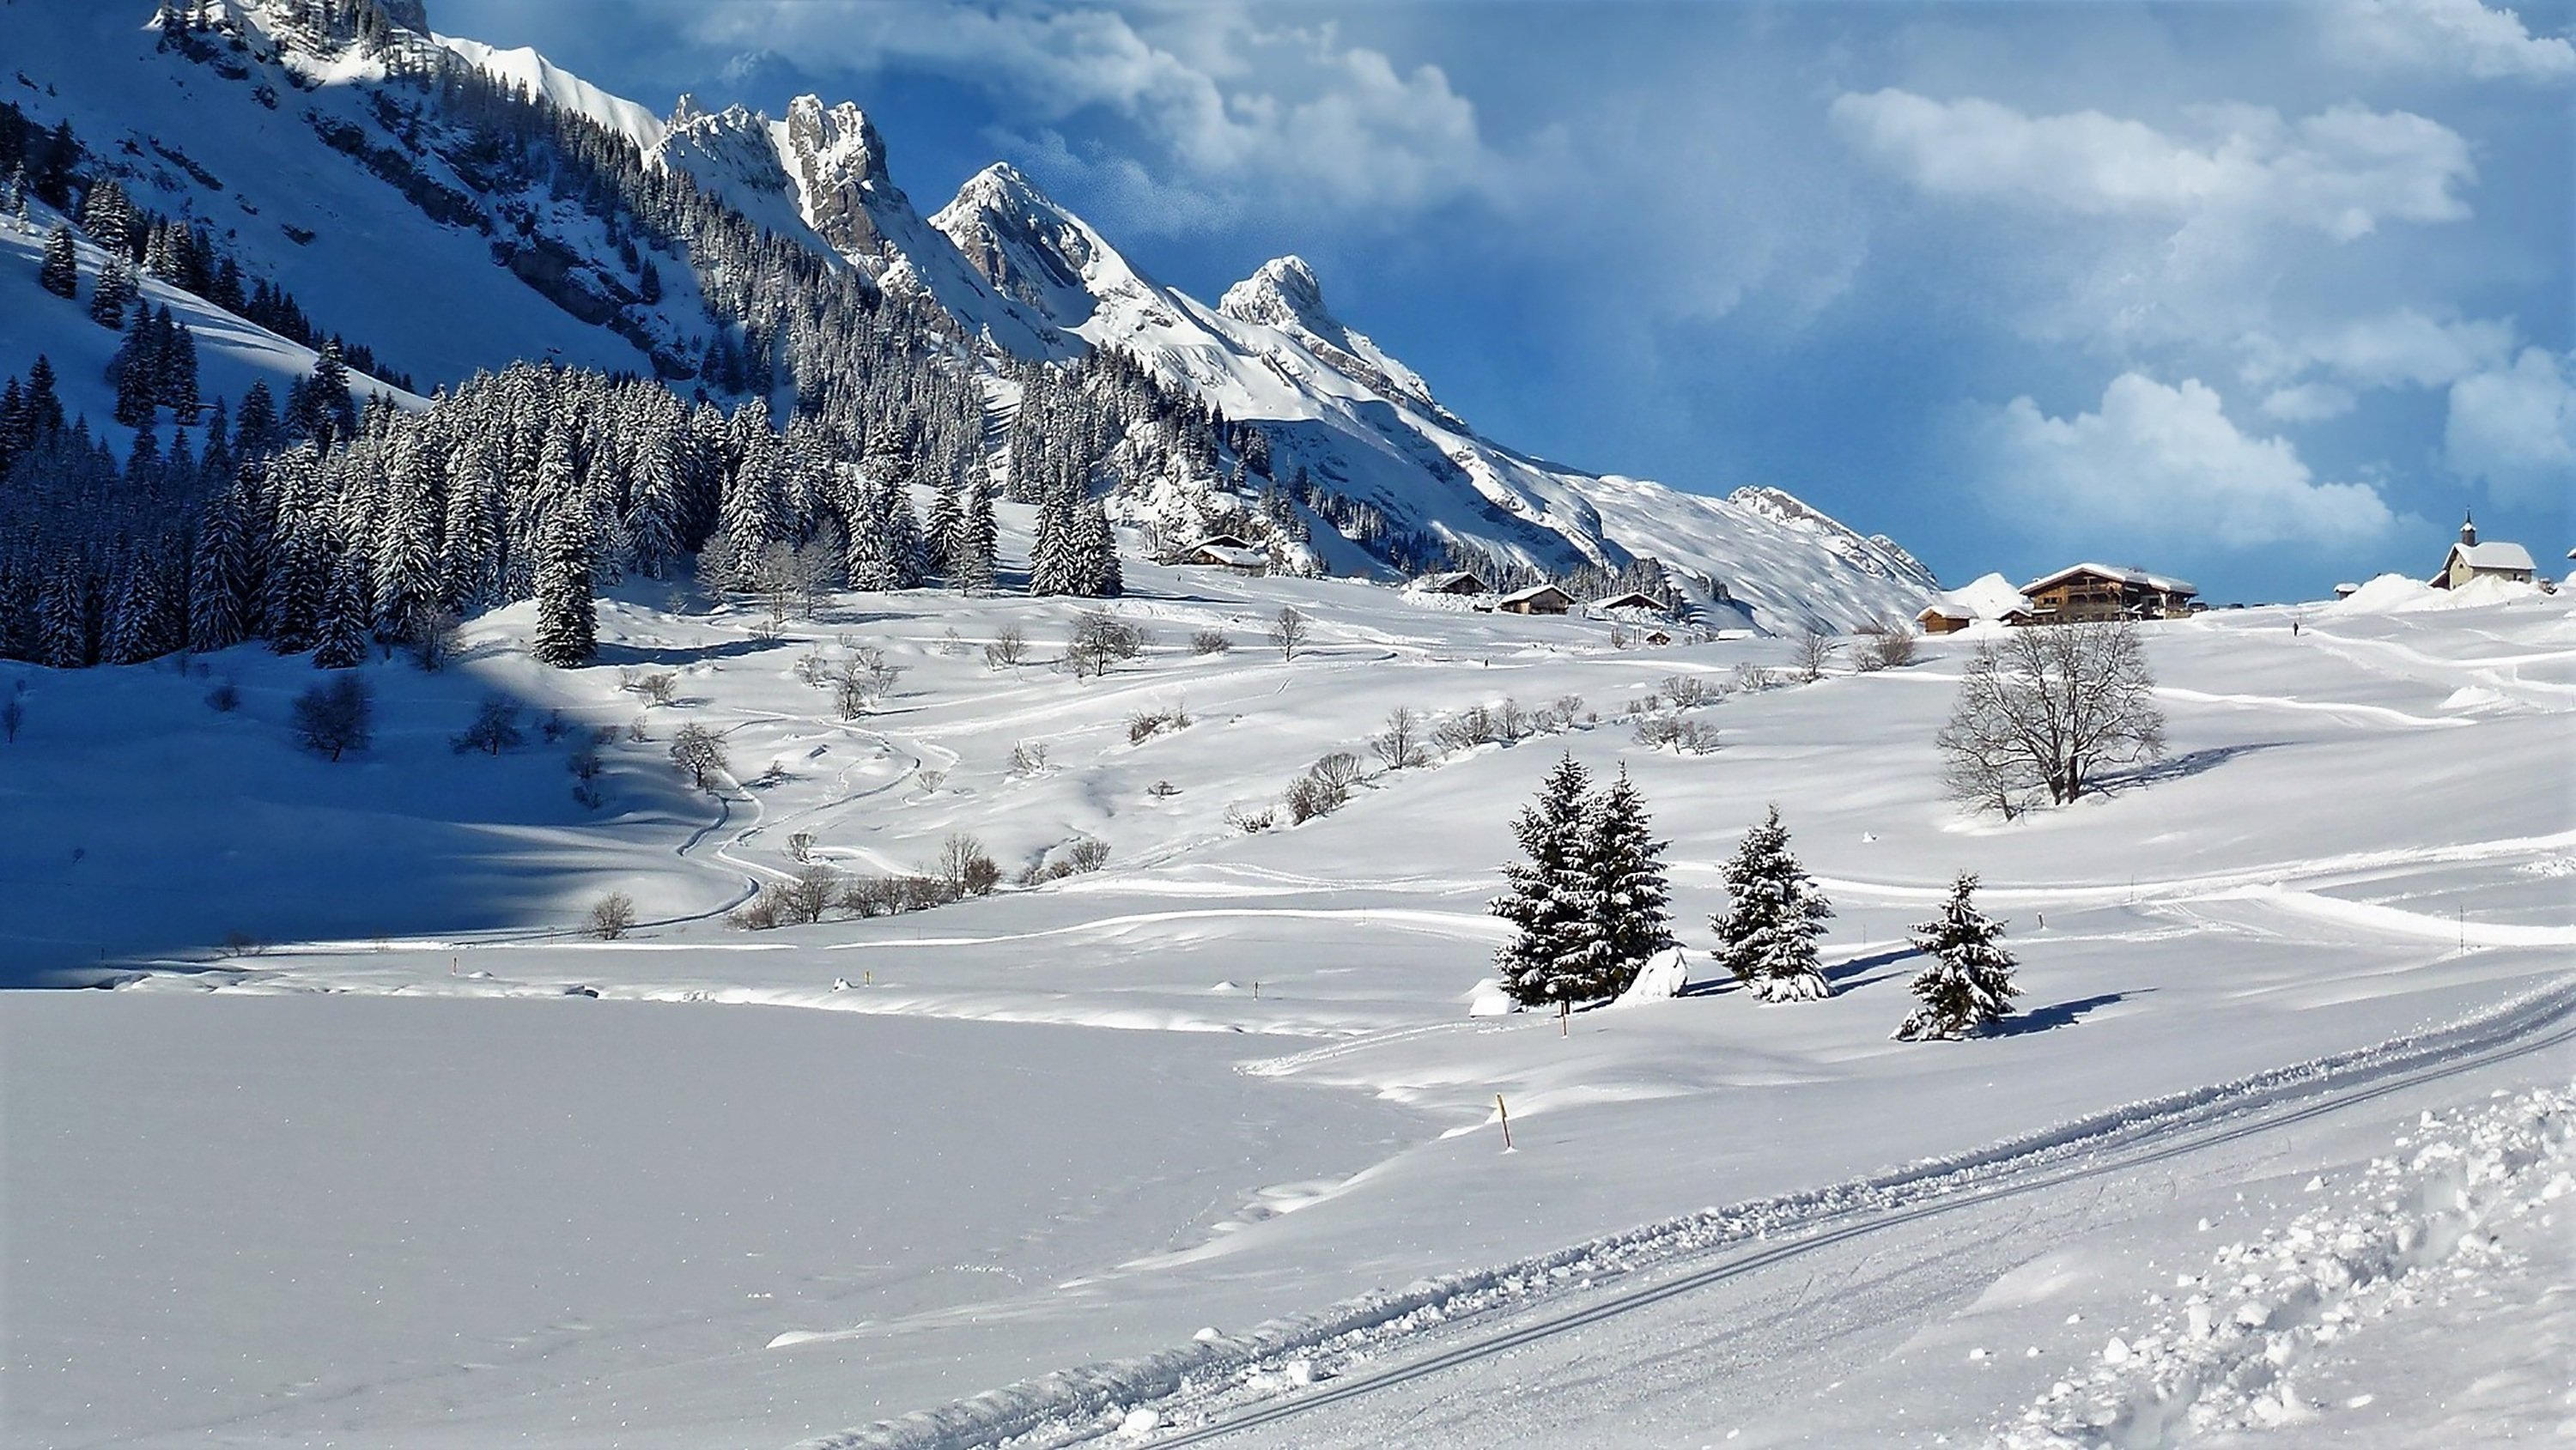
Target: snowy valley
[836,927]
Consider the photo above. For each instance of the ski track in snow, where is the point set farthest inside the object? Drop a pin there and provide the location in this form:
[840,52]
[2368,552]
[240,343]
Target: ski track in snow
[1219,1387]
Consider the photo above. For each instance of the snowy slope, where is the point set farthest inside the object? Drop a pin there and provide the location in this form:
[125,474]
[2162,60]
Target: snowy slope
[543,77]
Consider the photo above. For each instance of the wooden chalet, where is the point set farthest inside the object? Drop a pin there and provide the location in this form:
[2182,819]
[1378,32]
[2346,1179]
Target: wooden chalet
[1228,551]
[2092,593]
[1536,599]
[1659,637]
[2494,559]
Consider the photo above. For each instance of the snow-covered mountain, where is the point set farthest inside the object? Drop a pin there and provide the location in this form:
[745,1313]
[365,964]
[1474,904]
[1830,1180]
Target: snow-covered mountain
[382,216]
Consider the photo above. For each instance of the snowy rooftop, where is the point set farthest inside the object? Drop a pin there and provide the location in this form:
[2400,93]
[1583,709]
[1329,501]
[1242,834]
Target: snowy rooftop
[2494,554]
[2159,582]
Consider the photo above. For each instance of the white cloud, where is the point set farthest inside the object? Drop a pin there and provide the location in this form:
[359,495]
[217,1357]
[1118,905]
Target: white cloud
[2164,465]
[2341,171]
[2460,36]
[2391,349]
[1234,106]
[2308,403]
[2515,427]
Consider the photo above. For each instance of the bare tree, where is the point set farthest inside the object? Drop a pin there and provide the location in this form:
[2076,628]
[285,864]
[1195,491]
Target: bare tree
[1289,632]
[964,866]
[335,717]
[1687,691]
[2045,711]
[1400,744]
[1210,642]
[805,896]
[495,728]
[1810,652]
[13,714]
[436,637]
[611,916]
[699,751]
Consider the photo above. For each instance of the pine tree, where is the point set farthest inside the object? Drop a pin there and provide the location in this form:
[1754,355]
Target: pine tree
[220,598]
[113,291]
[60,274]
[567,620]
[106,216]
[1548,897]
[63,636]
[340,634]
[1969,983]
[979,544]
[1768,937]
[1631,917]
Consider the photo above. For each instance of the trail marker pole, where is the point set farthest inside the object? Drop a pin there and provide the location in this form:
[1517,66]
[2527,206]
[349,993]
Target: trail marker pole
[1564,1021]
[1506,1115]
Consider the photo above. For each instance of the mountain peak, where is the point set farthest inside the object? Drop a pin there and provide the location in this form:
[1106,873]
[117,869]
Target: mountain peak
[1281,291]
[1029,248]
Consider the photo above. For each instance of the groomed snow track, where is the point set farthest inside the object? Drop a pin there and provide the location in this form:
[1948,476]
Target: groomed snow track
[1211,1389]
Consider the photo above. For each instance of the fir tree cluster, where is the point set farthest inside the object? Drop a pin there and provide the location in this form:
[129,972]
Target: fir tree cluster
[1968,985]
[1589,902]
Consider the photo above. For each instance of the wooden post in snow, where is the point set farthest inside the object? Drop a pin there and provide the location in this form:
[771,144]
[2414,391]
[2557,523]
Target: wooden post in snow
[1506,1115]
[1564,1017]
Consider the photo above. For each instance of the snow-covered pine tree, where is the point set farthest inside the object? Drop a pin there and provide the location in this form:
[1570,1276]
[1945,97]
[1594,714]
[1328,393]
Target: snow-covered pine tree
[106,215]
[1631,916]
[469,534]
[340,634]
[1767,938]
[1969,982]
[980,536]
[222,605]
[62,617]
[947,530]
[567,620]
[60,273]
[905,556]
[112,292]
[408,583]
[1548,896]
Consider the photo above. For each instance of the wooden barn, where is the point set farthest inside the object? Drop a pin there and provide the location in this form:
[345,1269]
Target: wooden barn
[2090,593]
[1536,599]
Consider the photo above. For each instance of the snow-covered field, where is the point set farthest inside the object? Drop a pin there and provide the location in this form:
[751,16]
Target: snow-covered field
[569,1192]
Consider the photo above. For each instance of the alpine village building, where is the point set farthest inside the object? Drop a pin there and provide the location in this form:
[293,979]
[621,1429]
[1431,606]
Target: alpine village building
[2494,559]
[2090,593]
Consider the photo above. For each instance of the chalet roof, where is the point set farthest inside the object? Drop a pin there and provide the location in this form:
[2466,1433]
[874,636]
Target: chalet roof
[1633,599]
[1240,556]
[1221,541]
[1535,592]
[1448,579]
[2492,554]
[2162,584]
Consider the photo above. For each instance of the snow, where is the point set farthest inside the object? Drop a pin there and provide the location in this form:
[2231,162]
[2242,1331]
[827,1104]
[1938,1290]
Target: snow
[542,77]
[2236,975]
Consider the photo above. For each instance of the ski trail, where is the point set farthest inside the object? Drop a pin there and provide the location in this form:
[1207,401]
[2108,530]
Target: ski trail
[1233,1384]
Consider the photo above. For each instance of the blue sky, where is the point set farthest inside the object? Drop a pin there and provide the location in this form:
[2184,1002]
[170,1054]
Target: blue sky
[2262,295]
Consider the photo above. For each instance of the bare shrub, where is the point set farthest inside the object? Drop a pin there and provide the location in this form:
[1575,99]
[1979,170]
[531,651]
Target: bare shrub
[241,944]
[658,687]
[1087,854]
[1210,642]
[1690,737]
[1476,725]
[1689,691]
[2044,712]
[872,896]
[639,730]
[223,699]
[1887,644]
[1101,639]
[556,726]
[1288,633]
[585,764]
[800,846]
[951,642]
[700,752]
[334,717]
[611,917]
[1009,648]
[1029,757]
[1338,771]
[1400,742]
[1751,678]
[1250,822]
[436,638]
